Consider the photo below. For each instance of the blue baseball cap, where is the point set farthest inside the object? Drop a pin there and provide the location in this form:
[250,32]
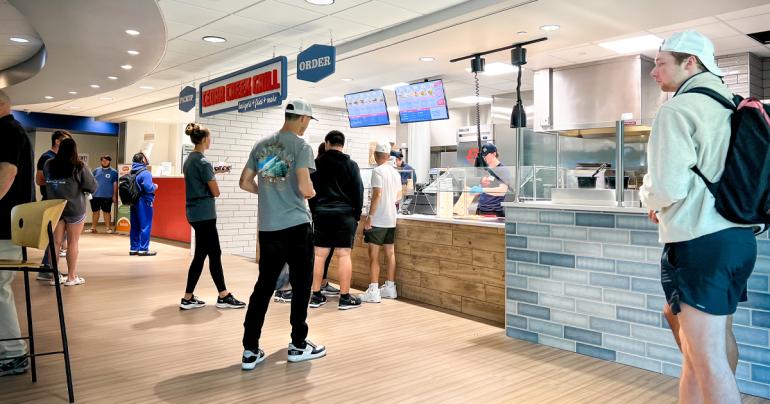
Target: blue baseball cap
[488,148]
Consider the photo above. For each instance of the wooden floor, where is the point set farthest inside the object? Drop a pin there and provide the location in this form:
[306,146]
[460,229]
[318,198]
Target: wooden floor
[131,343]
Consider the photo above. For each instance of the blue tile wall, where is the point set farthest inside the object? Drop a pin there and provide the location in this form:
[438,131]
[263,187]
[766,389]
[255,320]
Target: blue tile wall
[589,282]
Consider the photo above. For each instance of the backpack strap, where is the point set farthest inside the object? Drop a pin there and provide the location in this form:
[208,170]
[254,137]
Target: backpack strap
[714,96]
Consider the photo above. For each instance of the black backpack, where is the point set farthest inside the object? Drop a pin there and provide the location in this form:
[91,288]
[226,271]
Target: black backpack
[128,188]
[743,192]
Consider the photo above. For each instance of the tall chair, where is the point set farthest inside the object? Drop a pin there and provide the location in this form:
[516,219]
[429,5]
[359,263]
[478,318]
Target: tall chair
[32,226]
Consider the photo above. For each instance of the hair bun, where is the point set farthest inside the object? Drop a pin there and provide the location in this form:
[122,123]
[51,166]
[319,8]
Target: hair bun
[191,128]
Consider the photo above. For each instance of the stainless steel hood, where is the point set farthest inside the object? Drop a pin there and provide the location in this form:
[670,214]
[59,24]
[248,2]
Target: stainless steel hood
[597,94]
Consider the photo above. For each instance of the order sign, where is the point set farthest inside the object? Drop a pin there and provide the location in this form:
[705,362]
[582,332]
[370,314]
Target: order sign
[260,86]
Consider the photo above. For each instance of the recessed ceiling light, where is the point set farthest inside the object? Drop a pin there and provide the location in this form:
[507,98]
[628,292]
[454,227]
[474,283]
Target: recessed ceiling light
[633,45]
[332,99]
[48,97]
[394,86]
[132,52]
[19,40]
[427,59]
[347,79]
[132,32]
[496,69]
[549,27]
[214,39]
[72,92]
[94,86]
[320,2]
[112,77]
[521,33]
[126,67]
[472,100]
[105,98]
[146,87]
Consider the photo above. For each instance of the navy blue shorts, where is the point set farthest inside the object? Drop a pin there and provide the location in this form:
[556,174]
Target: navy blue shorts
[710,272]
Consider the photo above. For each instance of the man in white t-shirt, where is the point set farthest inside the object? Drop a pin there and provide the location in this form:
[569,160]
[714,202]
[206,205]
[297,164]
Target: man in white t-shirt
[380,225]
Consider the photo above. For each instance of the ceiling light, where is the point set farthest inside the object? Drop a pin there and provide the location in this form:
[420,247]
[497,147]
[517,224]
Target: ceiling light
[95,86]
[347,79]
[472,100]
[73,92]
[496,69]
[391,87]
[332,99]
[633,45]
[48,97]
[320,2]
[132,32]
[132,52]
[550,27]
[126,67]
[112,77]
[427,59]
[19,40]
[214,39]
[521,33]
[146,87]
[105,98]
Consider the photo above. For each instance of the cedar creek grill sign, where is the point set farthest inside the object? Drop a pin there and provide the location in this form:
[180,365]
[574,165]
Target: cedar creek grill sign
[187,99]
[316,63]
[260,86]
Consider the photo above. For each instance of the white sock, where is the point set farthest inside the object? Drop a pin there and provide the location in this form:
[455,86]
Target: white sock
[390,284]
[374,286]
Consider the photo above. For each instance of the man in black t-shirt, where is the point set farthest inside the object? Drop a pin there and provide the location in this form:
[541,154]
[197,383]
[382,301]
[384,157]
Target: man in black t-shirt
[56,137]
[16,188]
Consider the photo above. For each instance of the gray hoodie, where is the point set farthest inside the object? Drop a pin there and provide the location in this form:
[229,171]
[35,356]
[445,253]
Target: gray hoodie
[689,130]
[72,189]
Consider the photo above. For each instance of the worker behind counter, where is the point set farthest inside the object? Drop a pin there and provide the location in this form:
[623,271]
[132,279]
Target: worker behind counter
[493,183]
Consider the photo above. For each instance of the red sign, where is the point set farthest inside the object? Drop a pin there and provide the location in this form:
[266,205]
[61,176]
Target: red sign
[224,93]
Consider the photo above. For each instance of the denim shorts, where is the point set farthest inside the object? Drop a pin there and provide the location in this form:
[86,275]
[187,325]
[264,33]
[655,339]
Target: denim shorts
[710,272]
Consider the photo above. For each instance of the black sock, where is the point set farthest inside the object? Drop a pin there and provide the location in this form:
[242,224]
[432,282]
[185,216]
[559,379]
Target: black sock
[318,294]
[345,296]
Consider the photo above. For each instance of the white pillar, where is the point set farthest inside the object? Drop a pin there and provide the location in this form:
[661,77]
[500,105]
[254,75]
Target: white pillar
[419,150]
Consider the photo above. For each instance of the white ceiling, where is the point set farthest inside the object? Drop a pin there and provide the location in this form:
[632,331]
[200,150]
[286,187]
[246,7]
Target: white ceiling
[257,29]
[13,24]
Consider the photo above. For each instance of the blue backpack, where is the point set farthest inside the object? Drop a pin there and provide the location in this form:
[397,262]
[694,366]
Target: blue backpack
[743,192]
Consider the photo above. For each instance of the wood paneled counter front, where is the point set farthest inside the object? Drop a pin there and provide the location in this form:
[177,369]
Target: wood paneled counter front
[458,265]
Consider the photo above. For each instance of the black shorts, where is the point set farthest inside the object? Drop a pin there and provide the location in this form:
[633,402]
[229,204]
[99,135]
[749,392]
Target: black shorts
[103,204]
[330,230]
[710,272]
[380,235]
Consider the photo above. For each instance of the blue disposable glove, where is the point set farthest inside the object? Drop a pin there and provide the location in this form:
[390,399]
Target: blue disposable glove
[476,189]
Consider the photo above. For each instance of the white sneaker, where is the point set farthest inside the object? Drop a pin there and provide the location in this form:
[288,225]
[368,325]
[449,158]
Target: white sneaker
[62,279]
[75,282]
[372,295]
[388,292]
[310,352]
[63,253]
[251,359]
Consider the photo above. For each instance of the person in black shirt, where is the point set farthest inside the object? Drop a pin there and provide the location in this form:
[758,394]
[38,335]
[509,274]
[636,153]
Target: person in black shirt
[336,209]
[56,137]
[16,188]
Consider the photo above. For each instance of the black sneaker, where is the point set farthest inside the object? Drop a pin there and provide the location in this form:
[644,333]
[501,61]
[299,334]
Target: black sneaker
[229,302]
[192,303]
[14,366]
[132,252]
[330,290]
[310,352]
[317,300]
[349,302]
[251,359]
[147,253]
[282,296]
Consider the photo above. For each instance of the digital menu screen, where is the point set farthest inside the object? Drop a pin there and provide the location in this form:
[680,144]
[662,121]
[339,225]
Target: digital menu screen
[367,108]
[422,102]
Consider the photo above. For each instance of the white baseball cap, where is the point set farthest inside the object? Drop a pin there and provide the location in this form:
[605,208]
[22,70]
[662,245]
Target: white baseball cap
[382,147]
[299,107]
[693,43]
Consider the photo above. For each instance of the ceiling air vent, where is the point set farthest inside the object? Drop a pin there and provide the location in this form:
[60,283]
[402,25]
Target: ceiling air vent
[762,37]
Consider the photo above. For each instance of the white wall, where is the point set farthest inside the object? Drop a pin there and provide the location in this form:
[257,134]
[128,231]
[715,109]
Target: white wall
[235,134]
[167,144]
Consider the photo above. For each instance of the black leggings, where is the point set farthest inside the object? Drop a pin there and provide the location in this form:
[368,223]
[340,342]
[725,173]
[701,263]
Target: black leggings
[206,244]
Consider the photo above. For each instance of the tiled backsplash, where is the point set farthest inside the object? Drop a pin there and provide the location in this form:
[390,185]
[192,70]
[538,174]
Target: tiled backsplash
[590,283]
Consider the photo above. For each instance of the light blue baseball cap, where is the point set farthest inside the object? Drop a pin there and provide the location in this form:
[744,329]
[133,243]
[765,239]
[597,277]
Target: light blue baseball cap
[693,43]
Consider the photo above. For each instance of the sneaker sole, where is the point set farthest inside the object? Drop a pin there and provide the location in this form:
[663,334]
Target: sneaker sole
[229,306]
[330,293]
[316,305]
[251,366]
[390,297]
[304,359]
[348,307]
[281,300]
[190,306]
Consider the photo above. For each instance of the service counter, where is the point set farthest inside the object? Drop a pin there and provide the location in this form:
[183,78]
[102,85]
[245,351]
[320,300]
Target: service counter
[455,264]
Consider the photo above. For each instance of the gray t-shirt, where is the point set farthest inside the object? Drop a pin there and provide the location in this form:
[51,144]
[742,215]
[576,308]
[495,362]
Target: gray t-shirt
[71,189]
[276,160]
[198,171]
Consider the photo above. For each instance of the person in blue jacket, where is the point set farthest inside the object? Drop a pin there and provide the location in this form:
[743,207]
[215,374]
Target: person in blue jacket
[141,212]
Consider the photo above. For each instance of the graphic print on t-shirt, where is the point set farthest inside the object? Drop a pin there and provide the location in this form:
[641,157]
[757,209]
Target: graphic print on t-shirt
[273,162]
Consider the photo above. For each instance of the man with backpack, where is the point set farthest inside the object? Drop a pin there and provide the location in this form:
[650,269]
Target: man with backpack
[141,193]
[707,259]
